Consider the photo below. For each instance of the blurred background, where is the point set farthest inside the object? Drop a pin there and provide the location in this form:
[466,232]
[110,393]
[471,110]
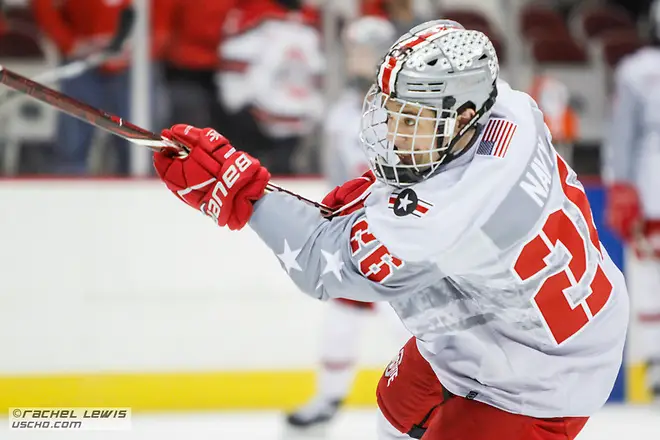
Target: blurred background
[90,316]
[187,62]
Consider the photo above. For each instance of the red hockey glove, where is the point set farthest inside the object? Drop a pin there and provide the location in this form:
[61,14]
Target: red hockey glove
[214,178]
[351,195]
[623,212]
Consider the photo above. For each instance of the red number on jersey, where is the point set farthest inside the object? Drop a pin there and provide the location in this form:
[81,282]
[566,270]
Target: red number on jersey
[378,265]
[360,236]
[563,318]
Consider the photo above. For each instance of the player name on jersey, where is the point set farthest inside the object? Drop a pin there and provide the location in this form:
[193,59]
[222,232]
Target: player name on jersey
[536,183]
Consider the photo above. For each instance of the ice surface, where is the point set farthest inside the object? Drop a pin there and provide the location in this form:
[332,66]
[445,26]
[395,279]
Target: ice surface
[612,423]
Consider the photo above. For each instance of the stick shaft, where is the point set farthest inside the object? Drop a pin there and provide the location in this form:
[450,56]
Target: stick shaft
[107,121]
[80,110]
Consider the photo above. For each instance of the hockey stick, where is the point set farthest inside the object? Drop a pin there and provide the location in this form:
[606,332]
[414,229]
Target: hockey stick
[111,123]
[78,67]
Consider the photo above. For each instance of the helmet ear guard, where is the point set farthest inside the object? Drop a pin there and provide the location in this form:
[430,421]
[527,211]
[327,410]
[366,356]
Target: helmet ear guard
[485,108]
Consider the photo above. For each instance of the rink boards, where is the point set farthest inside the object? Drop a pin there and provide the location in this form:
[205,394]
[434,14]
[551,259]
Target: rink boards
[116,294]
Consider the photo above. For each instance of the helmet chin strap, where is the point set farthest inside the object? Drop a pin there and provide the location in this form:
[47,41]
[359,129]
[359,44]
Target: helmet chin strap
[473,122]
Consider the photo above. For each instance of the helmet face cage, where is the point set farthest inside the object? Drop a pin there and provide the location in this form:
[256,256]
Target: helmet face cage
[430,75]
[405,142]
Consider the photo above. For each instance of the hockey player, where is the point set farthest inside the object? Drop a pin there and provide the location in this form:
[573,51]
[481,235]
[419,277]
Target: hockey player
[365,40]
[631,165]
[271,61]
[475,231]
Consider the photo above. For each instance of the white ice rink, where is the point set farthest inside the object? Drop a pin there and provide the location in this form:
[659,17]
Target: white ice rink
[612,423]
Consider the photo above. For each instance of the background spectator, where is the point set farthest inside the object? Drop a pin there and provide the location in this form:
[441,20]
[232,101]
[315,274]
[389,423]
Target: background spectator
[79,28]
[270,78]
[192,61]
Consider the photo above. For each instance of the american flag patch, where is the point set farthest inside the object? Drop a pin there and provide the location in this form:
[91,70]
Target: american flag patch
[497,137]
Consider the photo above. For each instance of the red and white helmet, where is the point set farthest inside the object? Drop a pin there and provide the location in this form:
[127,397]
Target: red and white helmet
[438,65]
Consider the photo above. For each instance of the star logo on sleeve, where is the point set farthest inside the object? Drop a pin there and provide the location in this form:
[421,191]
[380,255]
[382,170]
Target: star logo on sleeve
[288,258]
[405,202]
[333,263]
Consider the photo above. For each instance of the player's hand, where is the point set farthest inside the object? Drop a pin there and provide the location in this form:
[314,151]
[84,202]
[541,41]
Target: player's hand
[214,178]
[351,195]
[623,212]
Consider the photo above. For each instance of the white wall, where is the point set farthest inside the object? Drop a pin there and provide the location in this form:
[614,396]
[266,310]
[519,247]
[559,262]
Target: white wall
[120,276]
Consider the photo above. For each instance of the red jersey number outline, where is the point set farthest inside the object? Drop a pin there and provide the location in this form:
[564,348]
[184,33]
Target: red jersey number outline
[563,319]
[379,264]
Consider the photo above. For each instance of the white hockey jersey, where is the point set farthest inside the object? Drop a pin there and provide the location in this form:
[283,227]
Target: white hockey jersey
[274,67]
[494,264]
[632,146]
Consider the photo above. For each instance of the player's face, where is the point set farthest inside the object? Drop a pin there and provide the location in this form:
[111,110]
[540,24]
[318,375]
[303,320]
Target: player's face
[413,129]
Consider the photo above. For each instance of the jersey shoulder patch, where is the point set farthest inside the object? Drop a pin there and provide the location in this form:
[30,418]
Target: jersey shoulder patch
[405,202]
[497,137]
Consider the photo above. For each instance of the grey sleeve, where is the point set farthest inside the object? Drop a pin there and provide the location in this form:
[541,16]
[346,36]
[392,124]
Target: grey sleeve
[621,145]
[336,258]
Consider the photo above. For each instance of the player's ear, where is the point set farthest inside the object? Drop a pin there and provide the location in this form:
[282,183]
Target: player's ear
[465,116]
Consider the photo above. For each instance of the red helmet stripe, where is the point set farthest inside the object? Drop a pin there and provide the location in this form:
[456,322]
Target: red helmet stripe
[391,65]
[385,74]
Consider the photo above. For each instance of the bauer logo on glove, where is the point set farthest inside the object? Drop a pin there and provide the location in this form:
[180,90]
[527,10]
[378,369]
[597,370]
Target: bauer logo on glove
[226,183]
[214,178]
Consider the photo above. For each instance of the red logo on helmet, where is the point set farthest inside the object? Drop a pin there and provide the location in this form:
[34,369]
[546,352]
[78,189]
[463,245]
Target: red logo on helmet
[394,60]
